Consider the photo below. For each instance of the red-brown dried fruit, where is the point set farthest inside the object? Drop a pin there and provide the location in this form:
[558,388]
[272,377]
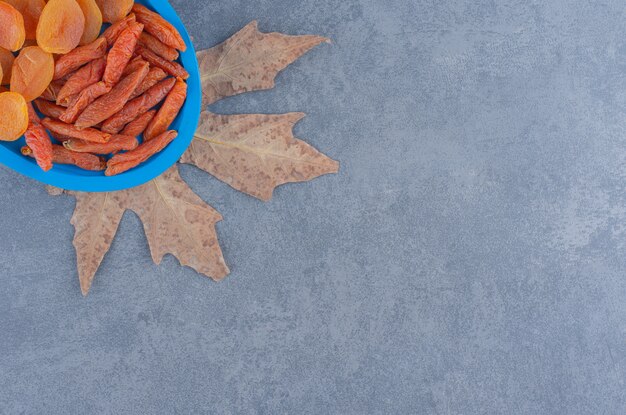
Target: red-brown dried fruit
[112,32]
[60,26]
[114,101]
[13,116]
[68,130]
[114,10]
[168,111]
[30,10]
[138,106]
[155,75]
[61,155]
[80,101]
[93,20]
[173,68]
[122,162]
[12,32]
[6,62]
[52,91]
[117,143]
[78,57]
[158,27]
[158,47]
[81,79]
[49,109]
[133,65]
[32,72]
[121,52]
[139,124]
[39,142]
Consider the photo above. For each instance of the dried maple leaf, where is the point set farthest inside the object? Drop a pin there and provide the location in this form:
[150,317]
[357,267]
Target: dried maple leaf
[254,153]
[249,61]
[174,218]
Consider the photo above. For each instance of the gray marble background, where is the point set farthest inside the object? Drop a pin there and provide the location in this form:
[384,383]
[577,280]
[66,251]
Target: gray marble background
[469,258]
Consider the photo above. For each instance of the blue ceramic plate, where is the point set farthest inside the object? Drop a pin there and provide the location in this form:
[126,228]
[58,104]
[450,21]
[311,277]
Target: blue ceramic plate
[73,178]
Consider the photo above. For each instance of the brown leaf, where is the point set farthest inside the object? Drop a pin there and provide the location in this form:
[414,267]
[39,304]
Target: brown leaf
[175,221]
[255,153]
[249,61]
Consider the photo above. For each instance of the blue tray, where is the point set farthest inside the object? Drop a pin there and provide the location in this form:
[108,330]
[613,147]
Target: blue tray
[74,178]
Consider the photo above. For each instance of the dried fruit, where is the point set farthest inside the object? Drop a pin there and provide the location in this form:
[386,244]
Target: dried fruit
[138,106]
[81,79]
[30,10]
[113,31]
[32,72]
[117,143]
[139,124]
[6,62]
[159,27]
[13,116]
[173,68]
[168,111]
[114,101]
[49,109]
[60,26]
[114,10]
[133,65]
[158,47]
[61,155]
[39,142]
[93,20]
[80,101]
[122,162]
[52,91]
[121,52]
[78,57]
[68,130]
[155,75]
[12,32]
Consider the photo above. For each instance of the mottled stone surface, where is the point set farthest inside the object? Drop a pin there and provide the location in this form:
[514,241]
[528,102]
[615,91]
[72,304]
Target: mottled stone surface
[469,257]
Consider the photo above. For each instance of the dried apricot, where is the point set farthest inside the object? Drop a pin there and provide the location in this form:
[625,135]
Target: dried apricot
[6,62]
[114,10]
[12,32]
[60,26]
[32,72]
[93,20]
[30,10]
[158,27]
[13,116]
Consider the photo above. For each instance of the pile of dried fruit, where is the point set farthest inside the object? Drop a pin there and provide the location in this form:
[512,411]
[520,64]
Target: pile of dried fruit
[97,93]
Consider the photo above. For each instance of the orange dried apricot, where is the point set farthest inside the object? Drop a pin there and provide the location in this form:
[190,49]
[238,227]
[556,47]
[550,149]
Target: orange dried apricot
[114,10]
[6,62]
[12,32]
[30,10]
[60,26]
[32,72]
[93,20]
[13,116]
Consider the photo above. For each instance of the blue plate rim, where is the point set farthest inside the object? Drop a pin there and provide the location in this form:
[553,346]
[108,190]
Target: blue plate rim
[186,124]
